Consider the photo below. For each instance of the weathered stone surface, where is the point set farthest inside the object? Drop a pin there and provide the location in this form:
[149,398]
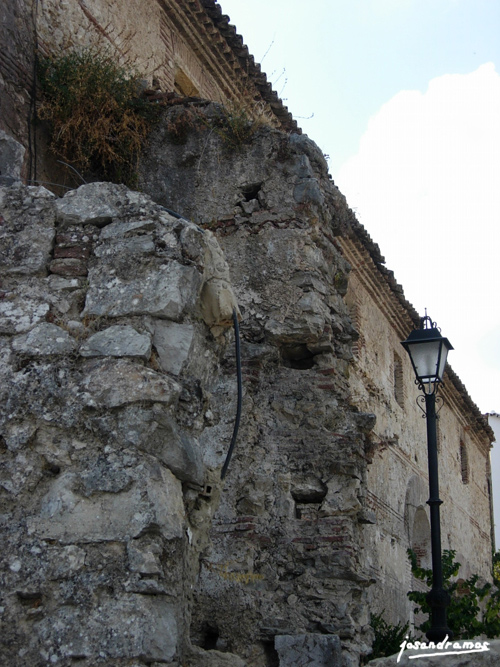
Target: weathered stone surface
[167,293]
[113,383]
[308,191]
[133,626]
[97,204]
[121,229]
[137,245]
[117,341]
[18,434]
[200,658]
[101,465]
[11,156]
[214,261]
[144,557]
[20,311]
[118,508]
[173,343]
[44,339]
[306,330]
[59,283]
[277,535]
[179,452]
[311,650]
[26,242]
[5,360]
[155,432]
[343,496]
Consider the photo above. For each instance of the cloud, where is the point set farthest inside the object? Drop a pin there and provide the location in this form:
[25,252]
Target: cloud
[426,185]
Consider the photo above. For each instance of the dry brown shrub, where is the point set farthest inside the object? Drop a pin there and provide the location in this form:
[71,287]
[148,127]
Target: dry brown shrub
[98,120]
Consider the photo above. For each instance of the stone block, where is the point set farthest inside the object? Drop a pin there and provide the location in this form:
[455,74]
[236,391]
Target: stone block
[59,283]
[137,245]
[193,242]
[201,658]
[144,557]
[44,339]
[156,432]
[66,561]
[310,650]
[213,259]
[166,292]
[11,156]
[302,167]
[177,450]
[173,343]
[5,361]
[112,383]
[342,497]
[19,311]
[26,243]
[151,500]
[104,475]
[98,204]
[130,626]
[118,341]
[93,203]
[17,434]
[306,329]
[308,191]
[120,229]
[72,252]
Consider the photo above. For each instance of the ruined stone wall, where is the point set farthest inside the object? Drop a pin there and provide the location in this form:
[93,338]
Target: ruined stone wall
[108,311]
[382,381]
[119,400]
[286,554]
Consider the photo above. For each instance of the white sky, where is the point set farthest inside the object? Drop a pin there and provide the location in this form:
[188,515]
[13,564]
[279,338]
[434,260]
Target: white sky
[405,100]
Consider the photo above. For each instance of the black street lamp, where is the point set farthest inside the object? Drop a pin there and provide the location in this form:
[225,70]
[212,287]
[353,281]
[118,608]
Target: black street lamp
[428,351]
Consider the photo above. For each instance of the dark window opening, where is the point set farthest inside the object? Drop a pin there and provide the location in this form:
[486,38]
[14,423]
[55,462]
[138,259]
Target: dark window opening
[210,638]
[251,191]
[270,654]
[298,357]
[464,463]
[398,380]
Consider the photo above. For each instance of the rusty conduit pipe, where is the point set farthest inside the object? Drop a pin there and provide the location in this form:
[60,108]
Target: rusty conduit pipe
[240,394]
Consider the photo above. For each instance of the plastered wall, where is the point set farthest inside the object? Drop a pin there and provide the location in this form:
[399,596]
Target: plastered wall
[398,477]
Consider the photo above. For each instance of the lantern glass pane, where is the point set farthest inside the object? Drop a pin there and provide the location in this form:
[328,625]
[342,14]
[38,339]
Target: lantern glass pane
[425,357]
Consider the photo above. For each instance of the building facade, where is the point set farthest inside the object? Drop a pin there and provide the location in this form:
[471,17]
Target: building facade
[383,382]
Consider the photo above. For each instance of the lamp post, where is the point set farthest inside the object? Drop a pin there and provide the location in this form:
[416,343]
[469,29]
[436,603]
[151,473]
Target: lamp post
[428,351]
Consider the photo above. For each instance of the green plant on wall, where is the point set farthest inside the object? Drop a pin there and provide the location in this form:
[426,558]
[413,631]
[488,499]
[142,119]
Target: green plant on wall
[235,125]
[97,118]
[474,610]
[388,637]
